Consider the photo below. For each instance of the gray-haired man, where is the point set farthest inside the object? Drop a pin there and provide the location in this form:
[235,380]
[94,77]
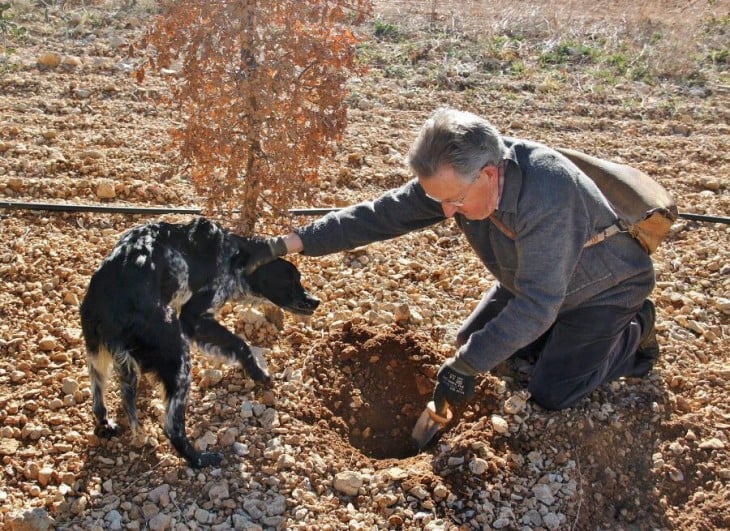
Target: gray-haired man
[530,216]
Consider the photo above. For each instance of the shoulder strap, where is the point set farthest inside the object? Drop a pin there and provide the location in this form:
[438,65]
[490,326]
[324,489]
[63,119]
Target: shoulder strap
[504,229]
[598,238]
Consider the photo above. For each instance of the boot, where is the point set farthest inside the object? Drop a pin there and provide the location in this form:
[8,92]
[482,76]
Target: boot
[648,351]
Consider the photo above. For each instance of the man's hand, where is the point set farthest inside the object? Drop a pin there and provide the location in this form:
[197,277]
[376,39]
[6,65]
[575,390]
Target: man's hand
[264,252]
[453,385]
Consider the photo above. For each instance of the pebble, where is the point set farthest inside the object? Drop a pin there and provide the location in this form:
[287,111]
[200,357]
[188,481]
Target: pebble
[70,386]
[285,462]
[515,404]
[478,466]
[202,516]
[210,378]
[543,493]
[8,446]
[712,444]
[348,482]
[208,439]
[48,344]
[160,522]
[219,491]
[419,492]
[30,520]
[440,491]
[159,492]
[240,449]
[106,190]
[500,425]
[396,473]
[44,476]
[552,520]
[247,409]
[49,60]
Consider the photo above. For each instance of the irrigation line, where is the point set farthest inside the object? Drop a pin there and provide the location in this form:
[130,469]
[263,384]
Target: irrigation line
[319,211]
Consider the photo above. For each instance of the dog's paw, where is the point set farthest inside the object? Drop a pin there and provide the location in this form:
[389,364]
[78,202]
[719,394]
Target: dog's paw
[255,365]
[108,430]
[204,459]
[259,375]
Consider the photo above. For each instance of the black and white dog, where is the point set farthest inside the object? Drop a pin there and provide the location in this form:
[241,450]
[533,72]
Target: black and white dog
[157,291]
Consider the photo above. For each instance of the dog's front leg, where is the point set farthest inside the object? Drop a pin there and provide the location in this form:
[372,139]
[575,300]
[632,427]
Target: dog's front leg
[216,340]
[177,389]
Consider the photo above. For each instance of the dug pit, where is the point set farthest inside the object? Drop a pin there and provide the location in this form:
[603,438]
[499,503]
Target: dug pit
[370,386]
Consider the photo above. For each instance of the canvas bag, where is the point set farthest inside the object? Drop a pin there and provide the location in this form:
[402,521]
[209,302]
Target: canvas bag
[646,210]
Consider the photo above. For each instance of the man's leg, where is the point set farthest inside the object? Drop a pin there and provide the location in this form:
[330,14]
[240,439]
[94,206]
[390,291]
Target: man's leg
[586,347]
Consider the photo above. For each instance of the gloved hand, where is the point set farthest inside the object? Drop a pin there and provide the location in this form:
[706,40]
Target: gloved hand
[454,385]
[263,252]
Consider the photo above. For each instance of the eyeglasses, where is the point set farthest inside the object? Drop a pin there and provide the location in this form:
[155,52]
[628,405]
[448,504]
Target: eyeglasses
[461,200]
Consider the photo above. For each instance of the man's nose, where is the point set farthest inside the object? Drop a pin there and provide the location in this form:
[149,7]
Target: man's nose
[449,210]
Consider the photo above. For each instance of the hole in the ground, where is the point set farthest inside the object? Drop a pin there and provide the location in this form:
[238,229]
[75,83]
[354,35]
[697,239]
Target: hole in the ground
[371,388]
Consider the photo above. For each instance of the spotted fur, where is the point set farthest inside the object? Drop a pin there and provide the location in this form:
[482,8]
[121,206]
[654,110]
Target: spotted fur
[156,293]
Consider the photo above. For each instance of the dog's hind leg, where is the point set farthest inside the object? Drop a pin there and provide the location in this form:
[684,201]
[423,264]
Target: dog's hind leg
[216,340]
[99,365]
[128,376]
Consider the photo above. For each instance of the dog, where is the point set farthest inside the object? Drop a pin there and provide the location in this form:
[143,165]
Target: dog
[158,291]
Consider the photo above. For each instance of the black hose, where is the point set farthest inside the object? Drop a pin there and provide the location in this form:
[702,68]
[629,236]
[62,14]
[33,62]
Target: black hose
[109,209]
[120,209]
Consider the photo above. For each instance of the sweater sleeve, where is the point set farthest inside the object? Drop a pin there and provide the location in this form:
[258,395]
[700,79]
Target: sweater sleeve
[395,213]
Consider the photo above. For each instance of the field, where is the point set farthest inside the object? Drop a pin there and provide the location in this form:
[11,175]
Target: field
[328,447]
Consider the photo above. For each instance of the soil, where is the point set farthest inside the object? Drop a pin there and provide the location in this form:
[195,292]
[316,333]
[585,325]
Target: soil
[329,446]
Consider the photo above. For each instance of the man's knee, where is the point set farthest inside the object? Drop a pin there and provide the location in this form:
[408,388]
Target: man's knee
[556,395]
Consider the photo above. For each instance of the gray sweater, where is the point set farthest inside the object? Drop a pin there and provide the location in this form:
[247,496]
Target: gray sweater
[553,210]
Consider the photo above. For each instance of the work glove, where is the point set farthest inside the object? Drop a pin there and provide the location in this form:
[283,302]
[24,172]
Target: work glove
[456,383]
[264,251]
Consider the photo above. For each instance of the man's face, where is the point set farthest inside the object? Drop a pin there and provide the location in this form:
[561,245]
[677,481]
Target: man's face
[475,200]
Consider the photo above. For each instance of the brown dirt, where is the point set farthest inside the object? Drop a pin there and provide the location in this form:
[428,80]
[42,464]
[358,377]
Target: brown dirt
[349,383]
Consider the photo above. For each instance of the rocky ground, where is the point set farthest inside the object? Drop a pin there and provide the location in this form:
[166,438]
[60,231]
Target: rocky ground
[326,447]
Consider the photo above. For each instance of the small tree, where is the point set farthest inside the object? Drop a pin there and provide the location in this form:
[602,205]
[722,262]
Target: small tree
[262,88]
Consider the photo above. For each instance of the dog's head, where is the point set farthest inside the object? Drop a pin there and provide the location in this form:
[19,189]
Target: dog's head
[280,282]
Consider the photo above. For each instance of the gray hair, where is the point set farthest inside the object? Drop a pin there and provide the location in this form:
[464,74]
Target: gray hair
[460,139]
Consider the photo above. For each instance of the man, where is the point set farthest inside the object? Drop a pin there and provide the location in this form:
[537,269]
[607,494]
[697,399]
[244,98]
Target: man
[566,289]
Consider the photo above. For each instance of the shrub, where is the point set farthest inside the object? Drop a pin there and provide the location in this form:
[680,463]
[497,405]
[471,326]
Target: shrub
[262,89]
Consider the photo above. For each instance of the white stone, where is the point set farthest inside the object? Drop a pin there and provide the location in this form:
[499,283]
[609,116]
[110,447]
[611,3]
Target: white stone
[478,466]
[202,516]
[285,462]
[219,491]
[544,493]
[514,404]
[70,386]
[240,449]
[712,444]
[208,439]
[500,425]
[551,521]
[160,522]
[348,482]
